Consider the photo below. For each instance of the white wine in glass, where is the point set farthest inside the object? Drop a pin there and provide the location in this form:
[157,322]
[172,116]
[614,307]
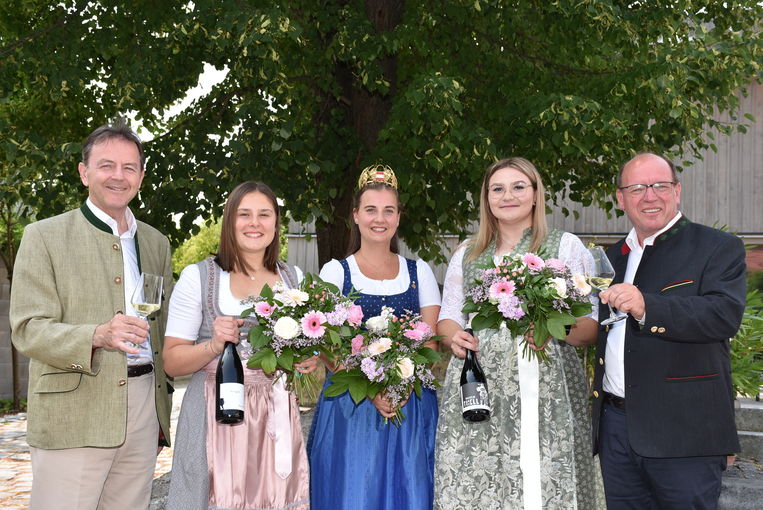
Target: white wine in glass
[147,296]
[600,278]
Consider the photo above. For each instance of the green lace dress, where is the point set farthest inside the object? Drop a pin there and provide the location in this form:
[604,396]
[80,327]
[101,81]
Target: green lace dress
[535,451]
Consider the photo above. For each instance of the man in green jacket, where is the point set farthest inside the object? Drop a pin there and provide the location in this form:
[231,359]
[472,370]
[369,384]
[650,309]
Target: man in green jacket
[98,407]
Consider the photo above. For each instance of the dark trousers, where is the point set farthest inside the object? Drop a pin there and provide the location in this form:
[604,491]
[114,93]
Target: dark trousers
[643,483]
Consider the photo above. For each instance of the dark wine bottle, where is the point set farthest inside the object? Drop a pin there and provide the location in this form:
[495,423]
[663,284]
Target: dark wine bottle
[229,386]
[475,401]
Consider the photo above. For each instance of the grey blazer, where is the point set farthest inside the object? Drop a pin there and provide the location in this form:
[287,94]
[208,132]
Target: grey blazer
[67,280]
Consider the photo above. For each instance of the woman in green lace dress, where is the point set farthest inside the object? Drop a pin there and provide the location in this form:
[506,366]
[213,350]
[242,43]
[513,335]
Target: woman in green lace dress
[535,451]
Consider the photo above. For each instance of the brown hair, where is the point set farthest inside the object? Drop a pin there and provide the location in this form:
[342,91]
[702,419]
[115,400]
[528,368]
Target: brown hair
[119,130]
[353,244]
[227,256]
[488,227]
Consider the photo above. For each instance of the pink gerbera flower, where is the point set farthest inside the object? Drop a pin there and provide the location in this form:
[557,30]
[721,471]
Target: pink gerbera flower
[533,261]
[263,309]
[502,288]
[312,324]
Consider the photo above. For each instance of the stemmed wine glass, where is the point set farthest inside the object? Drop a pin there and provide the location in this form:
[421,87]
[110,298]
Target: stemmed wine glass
[147,296]
[600,278]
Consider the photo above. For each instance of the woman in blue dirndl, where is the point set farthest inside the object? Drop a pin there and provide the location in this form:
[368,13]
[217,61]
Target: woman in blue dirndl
[357,460]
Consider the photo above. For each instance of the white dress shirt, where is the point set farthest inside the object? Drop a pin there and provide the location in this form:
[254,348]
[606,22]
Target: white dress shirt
[131,273]
[614,373]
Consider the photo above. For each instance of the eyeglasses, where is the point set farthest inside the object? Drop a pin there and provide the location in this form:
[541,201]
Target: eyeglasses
[659,188]
[518,189]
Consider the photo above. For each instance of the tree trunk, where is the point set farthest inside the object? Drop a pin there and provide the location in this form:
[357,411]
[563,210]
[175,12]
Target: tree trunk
[366,115]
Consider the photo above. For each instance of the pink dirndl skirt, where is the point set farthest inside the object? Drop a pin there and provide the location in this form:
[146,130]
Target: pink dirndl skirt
[260,463]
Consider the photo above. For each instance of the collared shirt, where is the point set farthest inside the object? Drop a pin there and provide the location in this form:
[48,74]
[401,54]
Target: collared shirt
[131,273]
[614,374]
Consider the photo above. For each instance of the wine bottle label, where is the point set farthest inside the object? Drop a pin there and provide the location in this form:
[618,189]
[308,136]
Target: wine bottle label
[474,396]
[231,396]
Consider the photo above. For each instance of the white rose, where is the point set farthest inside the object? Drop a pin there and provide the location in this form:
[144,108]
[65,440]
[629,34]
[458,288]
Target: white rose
[560,285]
[380,346]
[287,328]
[377,324]
[579,281]
[405,365]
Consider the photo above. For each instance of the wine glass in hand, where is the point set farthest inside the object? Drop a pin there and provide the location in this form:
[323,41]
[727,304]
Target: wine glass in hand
[600,278]
[147,296]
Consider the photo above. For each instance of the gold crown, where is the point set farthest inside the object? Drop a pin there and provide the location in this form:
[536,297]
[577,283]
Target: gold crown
[377,173]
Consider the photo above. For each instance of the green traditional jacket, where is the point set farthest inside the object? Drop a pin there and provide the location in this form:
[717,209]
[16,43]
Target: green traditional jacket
[67,280]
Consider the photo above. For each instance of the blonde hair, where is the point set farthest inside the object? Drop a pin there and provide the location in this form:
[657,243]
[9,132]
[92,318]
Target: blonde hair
[488,227]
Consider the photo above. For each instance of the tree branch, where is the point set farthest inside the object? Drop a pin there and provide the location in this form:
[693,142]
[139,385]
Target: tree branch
[214,105]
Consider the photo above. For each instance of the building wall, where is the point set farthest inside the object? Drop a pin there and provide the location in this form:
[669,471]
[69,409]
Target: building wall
[6,374]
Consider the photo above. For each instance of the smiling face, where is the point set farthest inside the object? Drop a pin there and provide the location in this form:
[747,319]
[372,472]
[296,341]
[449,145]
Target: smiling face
[113,175]
[511,197]
[649,212]
[255,223]
[377,215]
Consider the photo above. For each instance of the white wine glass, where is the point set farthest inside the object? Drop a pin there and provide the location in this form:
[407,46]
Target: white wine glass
[147,296]
[600,278]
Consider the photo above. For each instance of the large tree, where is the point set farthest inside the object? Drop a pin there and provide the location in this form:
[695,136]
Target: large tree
[316,90]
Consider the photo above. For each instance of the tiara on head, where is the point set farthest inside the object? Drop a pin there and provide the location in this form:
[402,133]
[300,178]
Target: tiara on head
[377,173]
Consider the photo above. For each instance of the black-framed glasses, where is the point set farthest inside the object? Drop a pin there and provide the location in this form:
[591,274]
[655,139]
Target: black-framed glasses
[659,188]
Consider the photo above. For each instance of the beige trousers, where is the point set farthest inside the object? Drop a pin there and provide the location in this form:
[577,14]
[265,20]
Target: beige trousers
[103,478]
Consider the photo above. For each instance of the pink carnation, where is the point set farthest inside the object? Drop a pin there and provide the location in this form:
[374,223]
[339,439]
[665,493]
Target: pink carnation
[533,261]
[556,264]
[355,316]
[357,344]
[413,334]
[423,326]
[263,309]
[312,324]
[502,288]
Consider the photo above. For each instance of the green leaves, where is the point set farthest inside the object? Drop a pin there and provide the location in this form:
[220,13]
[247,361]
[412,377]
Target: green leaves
[358,386]
[306,94]
[265,359]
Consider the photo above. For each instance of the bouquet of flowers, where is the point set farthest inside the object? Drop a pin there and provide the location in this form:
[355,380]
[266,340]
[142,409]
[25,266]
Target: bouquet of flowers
[388,357]
[295,324]
[524,292]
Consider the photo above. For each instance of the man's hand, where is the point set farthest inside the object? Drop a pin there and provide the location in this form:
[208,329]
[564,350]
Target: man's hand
[119,330]
[626,298]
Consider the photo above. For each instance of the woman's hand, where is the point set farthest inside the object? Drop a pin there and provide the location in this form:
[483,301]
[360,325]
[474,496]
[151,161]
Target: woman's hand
[460,341]
[307,366]
[530,339]
[384,406]
[224,329]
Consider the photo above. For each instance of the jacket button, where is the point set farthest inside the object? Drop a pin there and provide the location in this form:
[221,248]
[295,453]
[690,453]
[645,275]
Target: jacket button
[596,394]
[118,280]
[601,361]
[122,382]
[661,330]
[654,329]
[115,246]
